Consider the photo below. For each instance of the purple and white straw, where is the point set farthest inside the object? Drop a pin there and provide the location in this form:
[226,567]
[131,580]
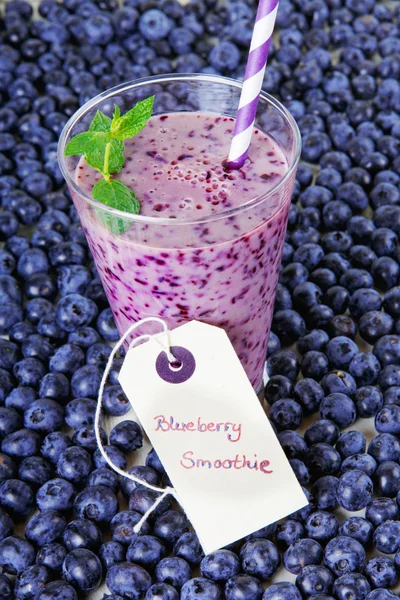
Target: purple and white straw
[253,80]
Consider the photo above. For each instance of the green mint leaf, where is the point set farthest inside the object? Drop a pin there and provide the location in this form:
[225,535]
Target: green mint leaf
[96,154]
[115,194]
[103,149]
[100,123]
[116,116]
[80,143]
[133,121]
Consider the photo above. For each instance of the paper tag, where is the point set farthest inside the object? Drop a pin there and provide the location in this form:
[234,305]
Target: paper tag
[211,434]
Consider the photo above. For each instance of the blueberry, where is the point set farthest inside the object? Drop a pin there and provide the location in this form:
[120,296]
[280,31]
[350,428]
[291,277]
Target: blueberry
[314,340]
[339,381]
[337,298]
[319,316]
[142,472]
[358,528]
[163,591]
[188,547]
[67,359]
[324,491]
[54,445]
[106,325]
[274,344]
[380,572]
[387,350]
[85,382]
[8,468]
[389,376]
[282,591]
[293,274]
[82,569]
[322,431]
[59,590]
[44,416]
[116,456]
[83,337]
[170,526]
[111,553]
[35,470]
[322,526]
[354,490]
[82,533]
[122,527]
[383,447]
[29,371]
[375,324]
[314,365]
[386,537]
[353,584]
[97,503]
[283,299]
[368,401]
[16,555]
[259,558]
[51,556]
[21,443]
[129,580]
[391,302]
[115,402]
[288,325]
[381,594]
[74,464]
[5,588]
[104,477]
[241,586]
[127,436]
[339,408]
[277,387]
[286,414]
[360,229]
[302,553]
[220,565]
[200,588]
[364,301]
[146,551]
[38,308]
[385,271]
[387,479]
[323,278]
[174,571]
[80,412]
[292,444]
[288,532]
[314,579]
[284,363]
[45,527]
[74,311]
[387,419]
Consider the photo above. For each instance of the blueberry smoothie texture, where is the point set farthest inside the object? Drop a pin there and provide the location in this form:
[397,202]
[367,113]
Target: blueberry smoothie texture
[198,257]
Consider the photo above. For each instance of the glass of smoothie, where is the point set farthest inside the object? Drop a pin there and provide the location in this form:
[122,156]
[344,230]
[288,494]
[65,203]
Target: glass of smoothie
[207,243]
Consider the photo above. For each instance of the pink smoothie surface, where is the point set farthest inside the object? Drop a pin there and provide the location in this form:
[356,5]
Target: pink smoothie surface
[185,265]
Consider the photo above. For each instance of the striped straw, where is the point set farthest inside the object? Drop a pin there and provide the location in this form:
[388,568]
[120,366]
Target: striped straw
[253,80]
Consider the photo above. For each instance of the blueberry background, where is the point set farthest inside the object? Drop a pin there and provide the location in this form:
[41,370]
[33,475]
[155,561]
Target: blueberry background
[333,393]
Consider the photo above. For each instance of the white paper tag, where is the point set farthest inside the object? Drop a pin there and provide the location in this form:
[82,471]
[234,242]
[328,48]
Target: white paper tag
[211,434]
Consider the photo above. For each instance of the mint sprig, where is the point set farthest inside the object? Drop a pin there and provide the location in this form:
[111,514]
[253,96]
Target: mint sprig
[102,146]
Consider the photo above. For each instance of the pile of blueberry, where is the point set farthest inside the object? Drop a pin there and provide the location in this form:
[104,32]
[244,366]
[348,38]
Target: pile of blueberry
[336,65]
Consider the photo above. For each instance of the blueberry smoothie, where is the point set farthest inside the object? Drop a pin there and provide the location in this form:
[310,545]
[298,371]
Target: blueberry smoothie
[197,257]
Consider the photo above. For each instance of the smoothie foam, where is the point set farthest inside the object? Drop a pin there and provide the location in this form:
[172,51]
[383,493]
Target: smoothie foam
[184,266]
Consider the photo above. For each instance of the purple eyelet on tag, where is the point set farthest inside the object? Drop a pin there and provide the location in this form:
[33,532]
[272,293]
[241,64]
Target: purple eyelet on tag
[184,369]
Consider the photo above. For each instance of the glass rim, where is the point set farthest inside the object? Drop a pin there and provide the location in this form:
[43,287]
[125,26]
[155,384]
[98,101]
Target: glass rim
[173,77]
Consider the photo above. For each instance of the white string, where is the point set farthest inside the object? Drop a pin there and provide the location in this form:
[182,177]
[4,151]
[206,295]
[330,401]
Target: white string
[163,491]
